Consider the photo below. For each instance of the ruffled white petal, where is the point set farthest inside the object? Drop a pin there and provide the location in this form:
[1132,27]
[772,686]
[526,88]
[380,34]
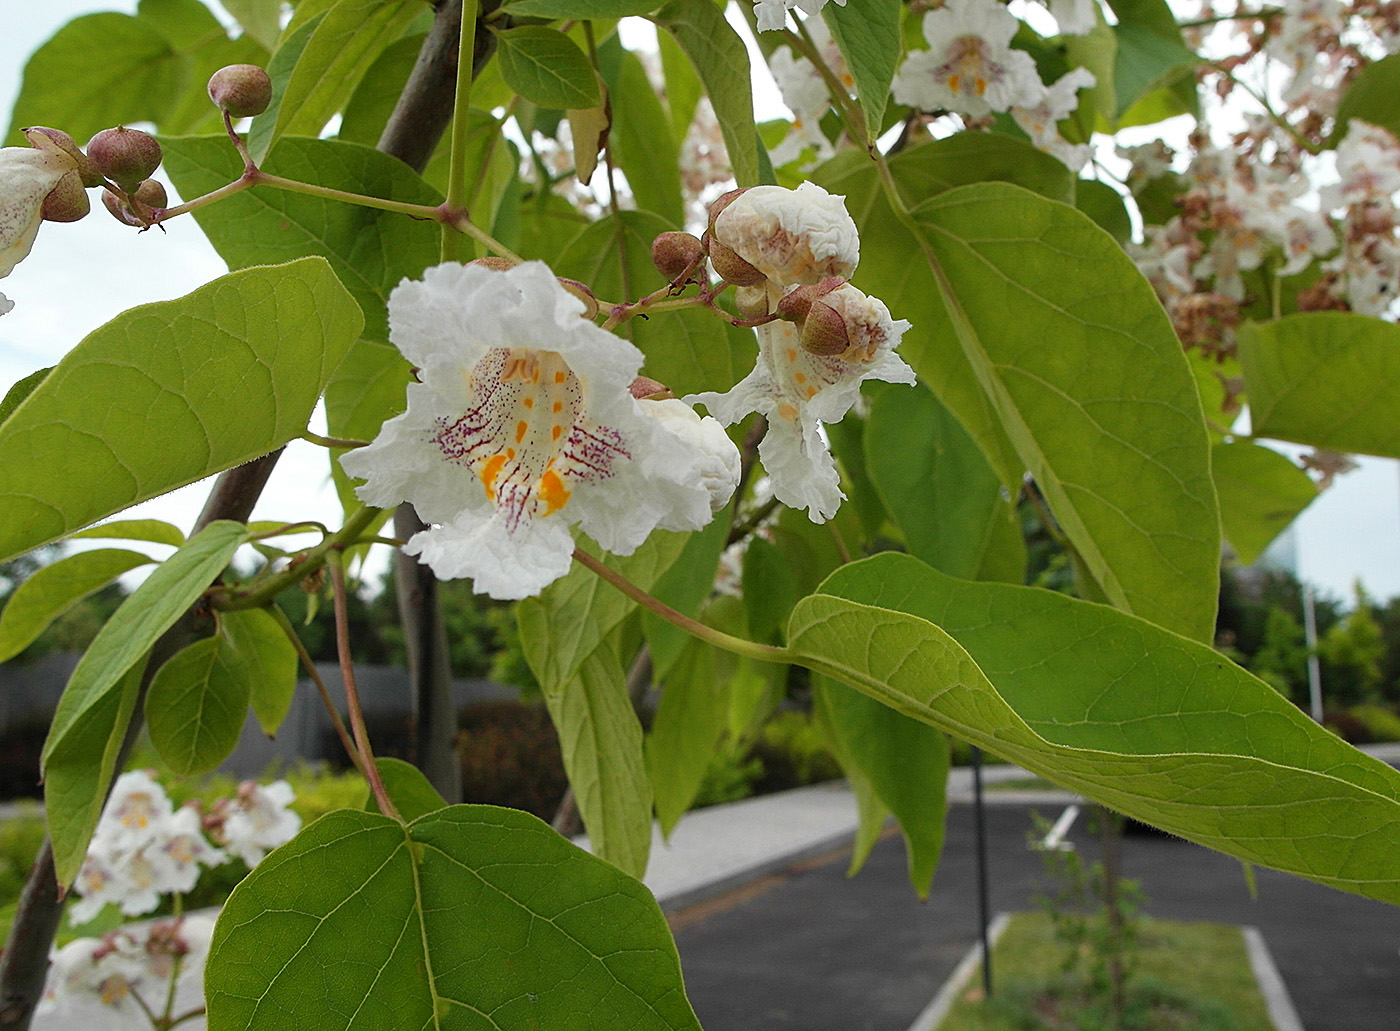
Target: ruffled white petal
[792,236]
[27,176]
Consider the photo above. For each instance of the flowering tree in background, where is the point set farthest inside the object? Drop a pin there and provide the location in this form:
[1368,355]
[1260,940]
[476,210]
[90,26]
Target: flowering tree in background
[514,251]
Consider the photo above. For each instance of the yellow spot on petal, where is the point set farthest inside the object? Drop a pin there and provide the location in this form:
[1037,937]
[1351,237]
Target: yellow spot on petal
[521,428]
[490,471]
[553,492]
[801,377]
[787,411]
[528,402]
[953,81]
[555,433]
[792,354]
[849,80]
[558,406]
[811,391]
[510,452]
[560,376]
[981,86]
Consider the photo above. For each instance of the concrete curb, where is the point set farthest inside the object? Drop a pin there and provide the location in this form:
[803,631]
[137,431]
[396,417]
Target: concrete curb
[1271,986]
[936,1010]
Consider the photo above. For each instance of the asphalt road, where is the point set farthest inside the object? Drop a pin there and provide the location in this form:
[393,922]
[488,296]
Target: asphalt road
[810,949]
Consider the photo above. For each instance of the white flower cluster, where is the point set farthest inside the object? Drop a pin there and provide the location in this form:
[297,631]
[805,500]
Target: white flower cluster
[804,239]
[114,982]
[971,69]
[805,94]
[1368,171]
[144,848]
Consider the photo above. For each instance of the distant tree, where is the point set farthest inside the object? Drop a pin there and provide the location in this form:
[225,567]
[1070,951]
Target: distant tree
[1351,654]
[1282,658]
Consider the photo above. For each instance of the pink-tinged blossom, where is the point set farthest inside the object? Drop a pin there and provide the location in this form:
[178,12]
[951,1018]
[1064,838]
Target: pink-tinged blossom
[793,237]
[970,67]
[1060,101]
[260,819]
[797,391]
[521,426]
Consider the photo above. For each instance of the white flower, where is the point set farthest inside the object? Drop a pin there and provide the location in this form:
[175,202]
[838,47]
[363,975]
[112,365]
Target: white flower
[797,392]
[27,176]
[805,93]
[772,14]
[793,237]
[93,982]
[183,852]
[718,465]
[970,66]
[1058,103]
[260,820]
[1368,166]
[135,814]
[521,426]
[1074,17]
[101,879]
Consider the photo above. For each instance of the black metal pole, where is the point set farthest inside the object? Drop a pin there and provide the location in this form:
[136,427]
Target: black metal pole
[982,902]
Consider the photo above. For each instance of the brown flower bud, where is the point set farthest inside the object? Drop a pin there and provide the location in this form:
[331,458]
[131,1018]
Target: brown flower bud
[674,253]
[68,201]
[590,303]
[138,208]
[795,303]
[126,156]
[824,331]
[729,266]
[89,175]
[241,90]
[644,388]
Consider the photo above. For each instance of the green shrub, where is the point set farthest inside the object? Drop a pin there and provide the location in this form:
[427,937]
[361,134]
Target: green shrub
[793,753]
[1380,723]
[729,777]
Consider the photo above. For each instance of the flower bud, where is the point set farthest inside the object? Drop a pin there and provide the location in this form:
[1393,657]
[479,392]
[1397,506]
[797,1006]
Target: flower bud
[139,206]
[68,201]
[752,301]
[824,331]
[126,156]
[719,466]
[241,90]
[89,175]
[729,266]
[644,388]
[590,303]
[674,253]
[722,202]
[795,303]
[866,324]
[792,236]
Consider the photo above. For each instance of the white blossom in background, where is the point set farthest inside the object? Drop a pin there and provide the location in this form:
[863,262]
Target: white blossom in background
[522,425]
[183,852]
[101,879]
[1059,102]
[260,819]
[772,14]
[805,93]
[1074,17]
[970,67]
[135,814]
[793,237]
[798,391]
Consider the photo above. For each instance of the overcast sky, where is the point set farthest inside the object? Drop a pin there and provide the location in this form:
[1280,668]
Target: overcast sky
[82,274]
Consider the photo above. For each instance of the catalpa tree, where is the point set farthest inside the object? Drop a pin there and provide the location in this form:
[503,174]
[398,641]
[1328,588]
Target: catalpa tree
[713,401]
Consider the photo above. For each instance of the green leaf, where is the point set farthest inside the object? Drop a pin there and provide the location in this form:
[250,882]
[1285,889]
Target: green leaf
[341,47]
[228,373]
[770,589]
[261,19]
[938,488]
[368,109]
[1152,59]
[905,762]
[642,143]
[888,272]
[408,788]
[256,648]
[546,67]
[15,396]
[280,67]
[869,40]
[575,614]
[580,9]
[687,350]
[685,586]
[871,813]
[370,251]
[470,917]
[1260,491]
[94,705]
[157,531]
[203,47]
[1097,398]
[722,60]
[1147,722]
[1105,206]
[683,89]
[601,742]
[685,731]
[56,588]
[137,78]
[1329,379]
[1371,98]
[195,708]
